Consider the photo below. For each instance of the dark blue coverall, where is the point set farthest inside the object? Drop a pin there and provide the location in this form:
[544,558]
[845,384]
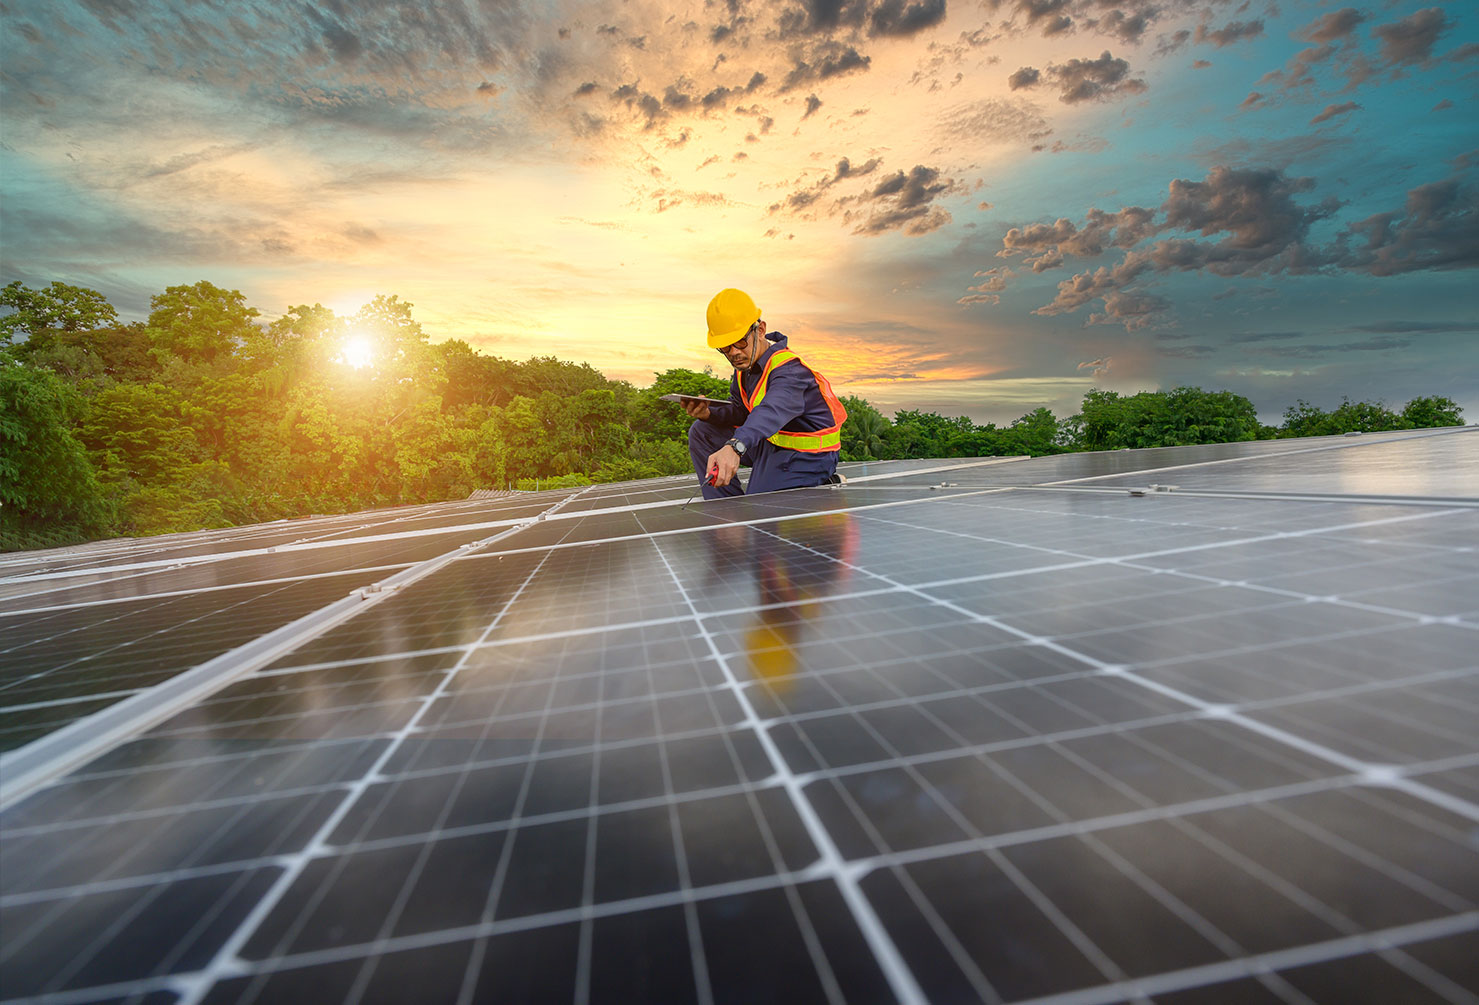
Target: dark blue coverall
[792,402]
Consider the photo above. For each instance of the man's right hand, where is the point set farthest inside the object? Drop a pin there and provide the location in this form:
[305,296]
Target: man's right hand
[694,407]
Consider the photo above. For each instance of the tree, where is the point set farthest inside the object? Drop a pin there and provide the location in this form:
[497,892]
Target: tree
[201,323]
[58,307]
[865,433]
[1035,433]
[49,492]
[1422,413]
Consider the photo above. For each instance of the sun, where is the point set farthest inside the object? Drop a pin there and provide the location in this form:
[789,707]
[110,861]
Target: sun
[357,352]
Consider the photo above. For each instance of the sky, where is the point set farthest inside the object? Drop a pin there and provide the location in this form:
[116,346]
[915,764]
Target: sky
[977,208]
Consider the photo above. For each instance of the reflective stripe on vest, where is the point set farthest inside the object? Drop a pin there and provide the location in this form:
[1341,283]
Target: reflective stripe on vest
[819,442]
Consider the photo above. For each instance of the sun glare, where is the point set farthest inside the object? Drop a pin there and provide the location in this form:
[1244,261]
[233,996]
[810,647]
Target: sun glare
[357,352]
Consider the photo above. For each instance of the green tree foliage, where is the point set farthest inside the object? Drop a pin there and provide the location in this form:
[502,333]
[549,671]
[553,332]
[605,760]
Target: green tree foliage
[49,492]
[865,434]
[57,308]
[1172,418]
[200,323]
[1304,419]
[1425,413]
[206,416]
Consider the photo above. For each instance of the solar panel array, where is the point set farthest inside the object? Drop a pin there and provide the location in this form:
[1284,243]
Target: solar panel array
[976,730]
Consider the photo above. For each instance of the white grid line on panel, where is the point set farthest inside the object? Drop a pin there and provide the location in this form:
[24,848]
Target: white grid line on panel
[1378,774]
[897,972]
[1367,775]
[1265,963]
[226,961]
[165,594]
[40,762]
[904,701]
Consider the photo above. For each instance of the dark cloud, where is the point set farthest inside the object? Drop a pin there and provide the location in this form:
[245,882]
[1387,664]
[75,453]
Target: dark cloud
[1027,76]
[901,19]
[1263,337]
[1045,245]
[645,105]
[1128,28]
[1331,111]
[1261,225]
[903,200]
[1233,31]
[805,198]
[1186,351]
[1417,327]
[1411,39]
[1331,27]
[1315,351]
[812,104]
[1101,79]
[1437,229]
[832,61]
[1170,43]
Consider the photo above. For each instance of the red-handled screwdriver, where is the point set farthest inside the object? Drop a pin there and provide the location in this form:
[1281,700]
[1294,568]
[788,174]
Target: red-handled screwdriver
[713,476]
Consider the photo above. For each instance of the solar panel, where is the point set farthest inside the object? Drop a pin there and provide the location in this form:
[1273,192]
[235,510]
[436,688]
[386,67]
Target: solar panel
[996,730]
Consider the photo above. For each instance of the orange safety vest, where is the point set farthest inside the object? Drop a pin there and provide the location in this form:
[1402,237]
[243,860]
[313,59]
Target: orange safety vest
[819,442]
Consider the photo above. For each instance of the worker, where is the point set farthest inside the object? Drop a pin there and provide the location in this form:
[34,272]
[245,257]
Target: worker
[782,419]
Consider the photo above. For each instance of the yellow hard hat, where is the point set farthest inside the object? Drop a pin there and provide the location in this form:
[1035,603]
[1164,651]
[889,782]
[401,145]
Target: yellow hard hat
[730,315]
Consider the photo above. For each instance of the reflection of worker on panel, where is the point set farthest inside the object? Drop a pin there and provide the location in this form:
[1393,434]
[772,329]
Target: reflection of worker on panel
[797,563]
[782,418]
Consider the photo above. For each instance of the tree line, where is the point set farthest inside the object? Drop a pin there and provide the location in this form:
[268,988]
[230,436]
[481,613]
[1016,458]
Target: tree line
[203,416]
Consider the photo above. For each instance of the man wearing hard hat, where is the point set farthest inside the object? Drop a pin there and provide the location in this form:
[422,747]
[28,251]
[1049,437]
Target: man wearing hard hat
[782,418]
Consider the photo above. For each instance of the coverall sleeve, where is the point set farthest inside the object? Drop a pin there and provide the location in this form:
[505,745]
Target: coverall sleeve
[784,399]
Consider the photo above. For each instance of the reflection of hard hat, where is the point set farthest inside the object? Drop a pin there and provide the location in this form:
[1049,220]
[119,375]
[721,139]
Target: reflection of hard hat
[772,659]
[730,315]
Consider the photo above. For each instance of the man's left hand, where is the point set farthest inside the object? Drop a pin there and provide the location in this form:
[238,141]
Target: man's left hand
[725,463]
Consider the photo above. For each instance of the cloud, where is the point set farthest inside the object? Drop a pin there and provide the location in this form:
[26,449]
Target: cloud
[1101,79]
[988,291]
[1096,367]
[1186,351]
[1233,31]
[831,61]
[1028,76]
[1411,39]
[902,201]
[1331,111]
[1417,327]
[1313,351]
[1331,27]
[1437,229]
[995,120]
[812,104]
[1245,337]
[1261,226]
[900,19]
[804,198]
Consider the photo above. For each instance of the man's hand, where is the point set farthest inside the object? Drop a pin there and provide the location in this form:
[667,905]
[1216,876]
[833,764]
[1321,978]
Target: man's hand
[724,462]
[694,407]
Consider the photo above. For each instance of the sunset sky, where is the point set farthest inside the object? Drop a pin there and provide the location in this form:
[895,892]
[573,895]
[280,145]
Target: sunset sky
[971,207]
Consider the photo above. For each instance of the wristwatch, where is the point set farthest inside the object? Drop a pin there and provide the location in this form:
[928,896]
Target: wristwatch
[736,446]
